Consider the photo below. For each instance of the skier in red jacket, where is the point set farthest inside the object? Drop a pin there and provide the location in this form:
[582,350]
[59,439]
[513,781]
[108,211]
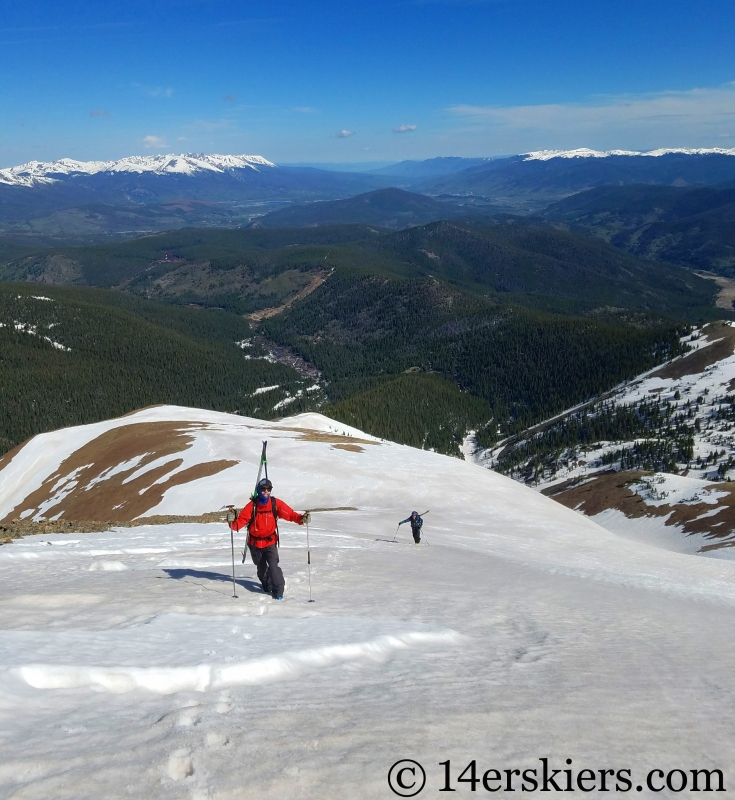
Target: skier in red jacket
[261,516]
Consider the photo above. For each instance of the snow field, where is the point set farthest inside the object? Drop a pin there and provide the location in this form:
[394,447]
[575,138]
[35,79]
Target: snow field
[156,682]
[521,630]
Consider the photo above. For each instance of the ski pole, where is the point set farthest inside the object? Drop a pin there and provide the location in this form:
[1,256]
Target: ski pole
[308,559]
[396,533]
[423,515]
[232,542]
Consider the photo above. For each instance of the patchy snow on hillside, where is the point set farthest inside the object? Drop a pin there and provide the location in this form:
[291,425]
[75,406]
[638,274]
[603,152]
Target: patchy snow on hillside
[517,630]
[690,405]
[26,327]
[698,385]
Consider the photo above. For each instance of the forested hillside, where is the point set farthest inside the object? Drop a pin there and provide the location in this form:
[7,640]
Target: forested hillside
[508,258]
[464,306]
[386,208]
[693,226]
[523,262]
[70,356]
[363,332]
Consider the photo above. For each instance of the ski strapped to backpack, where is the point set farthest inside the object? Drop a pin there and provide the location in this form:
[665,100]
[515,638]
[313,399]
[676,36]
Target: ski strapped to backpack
[254,496]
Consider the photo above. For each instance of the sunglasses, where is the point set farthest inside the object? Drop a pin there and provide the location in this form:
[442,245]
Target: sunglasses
[265,489]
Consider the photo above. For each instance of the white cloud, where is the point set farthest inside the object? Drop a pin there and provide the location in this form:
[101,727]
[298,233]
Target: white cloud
[692,118]
[405,128]
[343,134]
[154,142]
[154,91]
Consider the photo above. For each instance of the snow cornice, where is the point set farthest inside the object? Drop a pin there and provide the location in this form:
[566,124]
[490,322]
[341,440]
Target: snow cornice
[36,173]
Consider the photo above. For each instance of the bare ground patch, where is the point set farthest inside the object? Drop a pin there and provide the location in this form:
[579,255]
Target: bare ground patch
[328,438]
[18,528]
[612,490]
[699,360]
[83,488]
[726,295]
[266,313]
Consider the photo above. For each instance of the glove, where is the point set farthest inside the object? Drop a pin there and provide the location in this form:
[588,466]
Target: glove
[305,519]
[231,515]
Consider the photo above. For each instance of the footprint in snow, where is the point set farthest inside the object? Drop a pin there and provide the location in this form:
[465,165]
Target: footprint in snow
[180,765]
[216,740]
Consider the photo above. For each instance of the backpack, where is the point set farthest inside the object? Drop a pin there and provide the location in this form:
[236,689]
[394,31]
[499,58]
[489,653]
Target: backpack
[275,516]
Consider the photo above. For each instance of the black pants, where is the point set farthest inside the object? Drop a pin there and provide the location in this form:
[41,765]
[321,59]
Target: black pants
[416,534]
[269,573]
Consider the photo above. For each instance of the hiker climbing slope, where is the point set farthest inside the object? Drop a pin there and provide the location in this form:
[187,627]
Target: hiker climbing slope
[416,524]
[261,516]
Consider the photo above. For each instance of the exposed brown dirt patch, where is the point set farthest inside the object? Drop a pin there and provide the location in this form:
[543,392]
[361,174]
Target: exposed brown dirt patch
[698,361]
[612,490]
[266,313]
[80,488]
[334,508]
[328,438]
[726,295]
[18,528]
[353,448]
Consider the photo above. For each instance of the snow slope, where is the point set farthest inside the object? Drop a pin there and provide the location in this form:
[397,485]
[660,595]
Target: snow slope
[35,173]
[521,630]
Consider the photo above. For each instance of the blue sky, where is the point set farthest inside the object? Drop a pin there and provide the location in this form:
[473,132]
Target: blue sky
[330,81]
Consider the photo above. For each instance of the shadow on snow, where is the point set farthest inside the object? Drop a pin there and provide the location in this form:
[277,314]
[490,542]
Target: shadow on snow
[181,574]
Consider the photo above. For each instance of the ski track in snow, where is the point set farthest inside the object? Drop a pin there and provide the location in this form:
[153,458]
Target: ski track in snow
[521,630]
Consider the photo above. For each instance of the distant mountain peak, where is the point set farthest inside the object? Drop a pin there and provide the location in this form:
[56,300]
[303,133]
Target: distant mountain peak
[44,172]
[585,152]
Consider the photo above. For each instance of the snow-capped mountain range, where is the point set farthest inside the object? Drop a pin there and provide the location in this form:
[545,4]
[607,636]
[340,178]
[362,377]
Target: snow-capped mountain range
[35,173]
[585,152]
[44,172]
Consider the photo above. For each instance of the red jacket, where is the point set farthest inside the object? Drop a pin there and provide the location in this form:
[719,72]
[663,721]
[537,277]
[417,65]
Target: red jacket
[263,530]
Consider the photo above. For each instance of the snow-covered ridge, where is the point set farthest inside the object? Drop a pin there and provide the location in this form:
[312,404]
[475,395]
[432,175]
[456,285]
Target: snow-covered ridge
[35,173]
[585,152]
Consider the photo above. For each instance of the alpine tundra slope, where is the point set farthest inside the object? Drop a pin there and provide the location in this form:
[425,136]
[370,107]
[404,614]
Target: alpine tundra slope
[521,631]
